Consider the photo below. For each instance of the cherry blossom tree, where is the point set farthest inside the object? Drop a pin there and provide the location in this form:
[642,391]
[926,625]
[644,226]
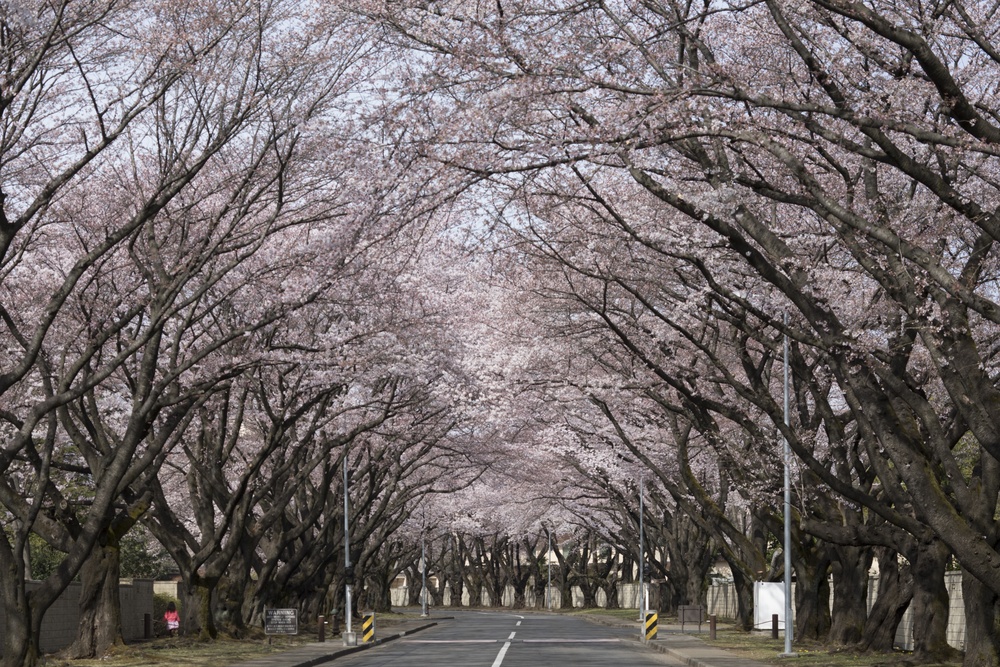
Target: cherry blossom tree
[843,155]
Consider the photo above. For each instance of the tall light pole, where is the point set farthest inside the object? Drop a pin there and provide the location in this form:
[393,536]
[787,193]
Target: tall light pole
[423,576]
[642,555]
[348,572]
[789,626]
[548,563]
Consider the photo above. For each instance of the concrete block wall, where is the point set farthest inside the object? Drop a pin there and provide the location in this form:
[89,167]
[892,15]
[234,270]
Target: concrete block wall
[137,601]
[59,624]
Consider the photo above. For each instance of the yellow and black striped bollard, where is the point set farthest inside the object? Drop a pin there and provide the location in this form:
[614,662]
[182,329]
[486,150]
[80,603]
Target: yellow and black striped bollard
[368,628]
[650,626]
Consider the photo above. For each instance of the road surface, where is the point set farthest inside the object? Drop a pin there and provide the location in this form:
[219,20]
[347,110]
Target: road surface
[492,639]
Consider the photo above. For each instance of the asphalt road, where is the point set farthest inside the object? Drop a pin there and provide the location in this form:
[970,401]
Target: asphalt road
[491,639]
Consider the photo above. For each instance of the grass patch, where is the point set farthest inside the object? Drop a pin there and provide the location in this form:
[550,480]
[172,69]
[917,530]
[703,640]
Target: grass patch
[762,648]
[188,652]
[622,614]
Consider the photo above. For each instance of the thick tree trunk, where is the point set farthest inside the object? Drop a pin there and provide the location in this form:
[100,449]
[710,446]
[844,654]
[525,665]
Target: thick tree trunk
[895,590]
[378,596]
[20,645]
[229,605]
[496,594]
[100,624]
[436,593]
[565,595]
[520,596]
[196,608]
[414,586]
[850,594]
[538,586]
[475,588]
[456,592]
[674,591]
[812,594]
[744,601]
[670,595]
[696,590]
[588,593]
[930,603]
[611,594]
[982,647]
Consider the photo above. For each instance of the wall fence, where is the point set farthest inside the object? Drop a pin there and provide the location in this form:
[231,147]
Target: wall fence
[59,624]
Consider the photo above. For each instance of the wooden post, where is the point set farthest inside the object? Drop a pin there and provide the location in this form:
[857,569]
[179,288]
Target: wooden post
[321,621]
[711,626]
[774,626]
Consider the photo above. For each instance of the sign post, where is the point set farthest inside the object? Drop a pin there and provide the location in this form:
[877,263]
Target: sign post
[281,622]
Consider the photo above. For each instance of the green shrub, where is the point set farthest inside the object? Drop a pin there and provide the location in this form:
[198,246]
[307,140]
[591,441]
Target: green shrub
[160,601]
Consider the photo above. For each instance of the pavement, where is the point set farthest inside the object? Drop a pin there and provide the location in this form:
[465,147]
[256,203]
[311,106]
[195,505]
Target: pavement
[690,649]
[671,640]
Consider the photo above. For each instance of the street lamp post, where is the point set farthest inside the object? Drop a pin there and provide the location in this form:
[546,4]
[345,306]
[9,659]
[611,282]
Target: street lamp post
[789,626]
[423,576]
[548,561]
[642,555]
[348,573]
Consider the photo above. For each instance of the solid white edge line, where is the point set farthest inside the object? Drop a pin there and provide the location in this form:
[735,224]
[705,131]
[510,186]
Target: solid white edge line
[571,641]
[452,641]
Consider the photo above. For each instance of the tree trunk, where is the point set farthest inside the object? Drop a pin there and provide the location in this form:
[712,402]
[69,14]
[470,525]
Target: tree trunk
[231,599]
[414,586]
[744,600]
[520,596]
[20,645]
[930,603]
[812,593]
[588,592]
[611,594]
[436,593]
[475,588]
[100,624]
[196,608]
[669,595]
[539,584]
[850,594]
[565,593]
[496,593]
[895,590]
[981,641]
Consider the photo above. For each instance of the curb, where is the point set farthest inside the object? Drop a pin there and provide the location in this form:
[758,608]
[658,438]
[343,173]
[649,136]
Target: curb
[361,647]
[661,648]
[677,655]
[347,650]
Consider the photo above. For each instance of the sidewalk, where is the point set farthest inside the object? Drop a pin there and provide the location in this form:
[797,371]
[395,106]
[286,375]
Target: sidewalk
[689,649]
[317,653]
[694,652]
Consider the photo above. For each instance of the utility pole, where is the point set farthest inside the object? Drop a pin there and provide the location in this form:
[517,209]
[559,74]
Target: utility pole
[349,637]
[423,576]
[548,561]
[642,554]
[789,626]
